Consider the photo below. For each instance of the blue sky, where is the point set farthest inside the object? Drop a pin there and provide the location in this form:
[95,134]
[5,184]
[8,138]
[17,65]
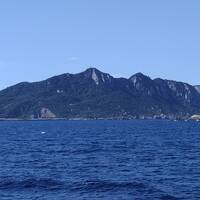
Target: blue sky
[42,38]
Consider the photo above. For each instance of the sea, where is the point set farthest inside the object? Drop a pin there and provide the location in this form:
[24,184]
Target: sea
[100,160]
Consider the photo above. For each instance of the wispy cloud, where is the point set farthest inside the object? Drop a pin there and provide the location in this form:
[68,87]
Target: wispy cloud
[73,58]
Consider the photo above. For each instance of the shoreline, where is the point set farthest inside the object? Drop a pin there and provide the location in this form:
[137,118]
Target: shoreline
[97,119]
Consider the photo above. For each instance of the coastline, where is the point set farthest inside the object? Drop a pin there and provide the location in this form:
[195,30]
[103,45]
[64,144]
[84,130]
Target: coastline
[99,119]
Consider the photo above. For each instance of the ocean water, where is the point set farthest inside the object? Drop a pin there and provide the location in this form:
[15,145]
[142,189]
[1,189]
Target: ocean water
[111,160]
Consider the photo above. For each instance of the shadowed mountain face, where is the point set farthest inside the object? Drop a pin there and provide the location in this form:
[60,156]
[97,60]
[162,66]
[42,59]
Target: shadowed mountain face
[197,87]
[94,94]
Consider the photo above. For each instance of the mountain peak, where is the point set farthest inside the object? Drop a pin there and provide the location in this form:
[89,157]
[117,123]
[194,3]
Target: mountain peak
[138,77]
[92,69]
[97,76]
[139,74]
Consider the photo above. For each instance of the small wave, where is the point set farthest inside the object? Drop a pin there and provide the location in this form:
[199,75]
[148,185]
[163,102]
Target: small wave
[168,197]
[134,187]
[99,186]
[49,184]
[107,186]
[31,183]
[86,151]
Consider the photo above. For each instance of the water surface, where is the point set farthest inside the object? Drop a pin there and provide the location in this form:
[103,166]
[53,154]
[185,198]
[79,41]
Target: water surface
[111,160]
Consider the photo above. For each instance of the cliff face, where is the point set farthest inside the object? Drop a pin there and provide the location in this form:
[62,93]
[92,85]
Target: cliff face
[94,94]
[197,87]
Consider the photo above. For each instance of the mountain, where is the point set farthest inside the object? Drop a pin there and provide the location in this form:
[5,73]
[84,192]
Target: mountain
[197,87]
[94,94]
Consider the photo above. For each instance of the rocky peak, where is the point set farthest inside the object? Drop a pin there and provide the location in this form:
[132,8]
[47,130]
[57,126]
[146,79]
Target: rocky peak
[143,83]
[92,69]
[139,77]
[97,76]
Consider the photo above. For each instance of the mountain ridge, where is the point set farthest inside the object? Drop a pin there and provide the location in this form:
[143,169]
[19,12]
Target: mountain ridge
[94,94]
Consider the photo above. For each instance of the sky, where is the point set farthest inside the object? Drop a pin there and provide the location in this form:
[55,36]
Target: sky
[43,38]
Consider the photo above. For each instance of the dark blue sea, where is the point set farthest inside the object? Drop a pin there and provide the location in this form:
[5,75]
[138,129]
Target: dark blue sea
[111,160]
